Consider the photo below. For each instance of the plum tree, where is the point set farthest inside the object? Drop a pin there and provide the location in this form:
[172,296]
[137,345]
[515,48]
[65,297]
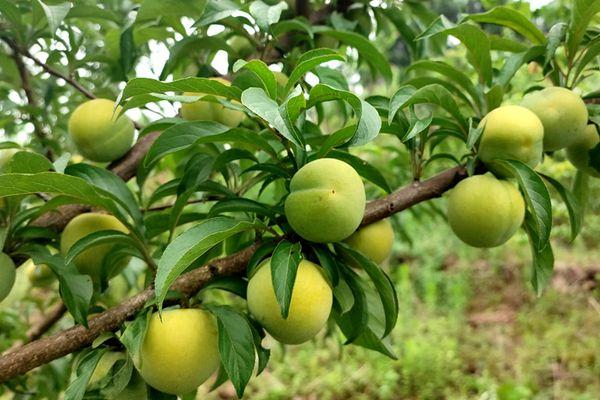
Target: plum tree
[374,240]
[90,260]
[205,110]
[97,132]
[511,132]
[180,351]
[309,308]
[579,153]
[326,201]
[7,275]
[562,113]
[484,211]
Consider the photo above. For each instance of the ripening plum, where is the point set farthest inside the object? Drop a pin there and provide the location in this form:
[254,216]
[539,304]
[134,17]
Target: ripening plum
[8,273]
[309,308]
[90,260]
[563,114]
[39,275]
[210,111]
[326,201]
[484,211]
[579,153]
[180,352]
[97,132]
[374,240]
[511,132]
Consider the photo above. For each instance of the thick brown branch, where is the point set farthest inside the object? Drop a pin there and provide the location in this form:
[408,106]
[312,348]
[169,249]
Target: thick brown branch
[62,343]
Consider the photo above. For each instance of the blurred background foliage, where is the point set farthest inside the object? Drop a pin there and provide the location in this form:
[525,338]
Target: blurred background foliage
[470,326]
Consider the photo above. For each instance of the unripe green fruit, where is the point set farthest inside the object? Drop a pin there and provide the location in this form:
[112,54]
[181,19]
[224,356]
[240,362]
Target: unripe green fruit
[511,132]
[562,113]
[484,211]
[180,352]
[97,133]
[39,275]
[90,260]
[309,308]
[326,201]
[241,45]
[8,273]
[210,111]
[374,241]
[579,153]
[325,41]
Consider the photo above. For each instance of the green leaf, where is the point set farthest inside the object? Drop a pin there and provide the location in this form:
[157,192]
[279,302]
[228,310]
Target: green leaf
[264,250]
[55,14]
[383,284]
[472,37]
[266,15]
[581,15]
[236,345]
[99,237]
[142,86]
[155,9]
[11,13]
[291,25]
[309,61]
[369,122]
[512,19]
[179,137]
[128,51]
[75,289]
[134,334]
[556,35]
[93,12]
[187,46]
[242,205]
[516,61]
[432,94]
[230,284]
[542,257]
[474,134]
[327,261]
[28,162]
[365,48]
[216,10]
[263,72]
[190,245]
[354,321]
[363,168]
[591,52]
[111,183]
[60,184]
[284,265]
[257,101]
[84,369]
[573,206]
[536,196]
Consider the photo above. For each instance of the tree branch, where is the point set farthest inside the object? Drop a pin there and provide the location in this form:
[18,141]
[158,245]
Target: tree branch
[41,134]
[42,351]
